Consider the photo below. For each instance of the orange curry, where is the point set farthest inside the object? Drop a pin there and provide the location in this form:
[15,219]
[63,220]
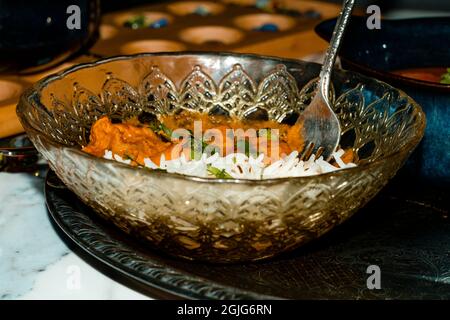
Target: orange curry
[136,141]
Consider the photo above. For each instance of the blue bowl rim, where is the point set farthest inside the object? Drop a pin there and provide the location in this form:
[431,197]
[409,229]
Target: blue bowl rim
[384,75]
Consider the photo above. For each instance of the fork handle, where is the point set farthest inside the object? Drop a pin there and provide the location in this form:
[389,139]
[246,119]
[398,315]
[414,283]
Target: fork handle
[335,43]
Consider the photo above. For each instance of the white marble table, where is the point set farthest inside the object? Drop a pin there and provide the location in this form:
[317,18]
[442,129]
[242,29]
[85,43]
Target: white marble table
[35,263]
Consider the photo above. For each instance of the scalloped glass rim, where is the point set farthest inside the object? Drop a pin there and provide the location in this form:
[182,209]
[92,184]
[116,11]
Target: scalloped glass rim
[37,87]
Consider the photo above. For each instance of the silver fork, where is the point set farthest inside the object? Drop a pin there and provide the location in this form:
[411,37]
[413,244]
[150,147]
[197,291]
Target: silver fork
[321,130]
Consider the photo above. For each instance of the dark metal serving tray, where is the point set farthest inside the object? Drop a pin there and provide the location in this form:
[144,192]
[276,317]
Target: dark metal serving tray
[405,231]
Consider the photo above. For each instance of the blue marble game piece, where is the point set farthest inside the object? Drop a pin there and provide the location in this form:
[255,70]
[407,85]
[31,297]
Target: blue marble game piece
[161,23]
[267,27]
[313,14]
[201,11]
[262,4]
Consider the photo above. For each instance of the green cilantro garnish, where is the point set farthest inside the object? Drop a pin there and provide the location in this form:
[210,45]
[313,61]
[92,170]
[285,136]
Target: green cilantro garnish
[161,129]
[218,173]
[245,144]
[445,78]
[128,157]
[267,132]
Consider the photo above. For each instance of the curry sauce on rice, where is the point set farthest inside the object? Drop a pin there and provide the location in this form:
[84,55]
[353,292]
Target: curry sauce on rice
[208,146]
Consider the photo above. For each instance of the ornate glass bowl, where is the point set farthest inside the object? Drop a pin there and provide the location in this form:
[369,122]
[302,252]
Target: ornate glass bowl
[212,219]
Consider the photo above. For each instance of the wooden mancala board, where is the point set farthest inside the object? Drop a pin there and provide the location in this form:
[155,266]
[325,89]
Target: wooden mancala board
[12,86]
[236,26]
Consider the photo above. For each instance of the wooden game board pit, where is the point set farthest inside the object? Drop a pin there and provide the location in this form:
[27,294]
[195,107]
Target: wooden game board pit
[257,20]
[149,16]
[156,45]
[212,35]
[9,90]
[236,29]
[184,8]
[107,31]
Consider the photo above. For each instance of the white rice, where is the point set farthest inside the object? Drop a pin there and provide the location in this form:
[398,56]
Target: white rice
[109,155]
[240,166]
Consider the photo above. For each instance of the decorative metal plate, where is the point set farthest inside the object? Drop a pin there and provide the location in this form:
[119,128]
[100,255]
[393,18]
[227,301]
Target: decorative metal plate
[405,231]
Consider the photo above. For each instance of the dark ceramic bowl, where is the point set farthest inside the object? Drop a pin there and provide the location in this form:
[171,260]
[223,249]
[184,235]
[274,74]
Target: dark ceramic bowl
[34,34]
[17,154]
[402,44]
